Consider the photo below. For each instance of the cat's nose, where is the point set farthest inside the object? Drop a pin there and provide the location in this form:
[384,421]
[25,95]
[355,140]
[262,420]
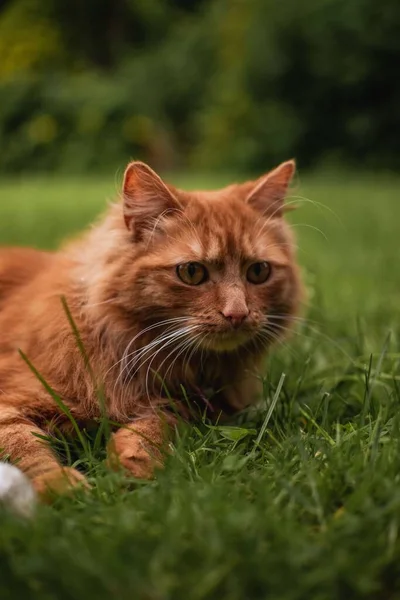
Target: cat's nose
[236,317]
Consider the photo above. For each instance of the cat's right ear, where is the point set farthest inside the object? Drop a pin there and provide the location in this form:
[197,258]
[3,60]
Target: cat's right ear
[268,194]
[145,198]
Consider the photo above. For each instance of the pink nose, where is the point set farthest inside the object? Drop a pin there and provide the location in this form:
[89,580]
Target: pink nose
[236,318]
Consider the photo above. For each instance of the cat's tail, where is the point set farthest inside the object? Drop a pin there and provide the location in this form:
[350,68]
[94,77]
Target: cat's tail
[16,491]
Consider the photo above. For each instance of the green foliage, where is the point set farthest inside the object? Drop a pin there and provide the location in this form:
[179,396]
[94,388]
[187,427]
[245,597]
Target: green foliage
[226,83]
[313,79]
[28,39]
[88,120]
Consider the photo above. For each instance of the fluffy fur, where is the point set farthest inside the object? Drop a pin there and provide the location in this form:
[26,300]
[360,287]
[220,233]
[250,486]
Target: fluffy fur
[145,330]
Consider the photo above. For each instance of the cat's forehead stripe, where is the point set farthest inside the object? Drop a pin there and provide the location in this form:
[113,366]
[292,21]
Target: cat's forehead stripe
[215,235]
[213,249]
[218,239]
[196,248]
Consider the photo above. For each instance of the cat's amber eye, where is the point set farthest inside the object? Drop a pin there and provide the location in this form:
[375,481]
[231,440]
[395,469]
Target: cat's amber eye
[192,273]
[258,272]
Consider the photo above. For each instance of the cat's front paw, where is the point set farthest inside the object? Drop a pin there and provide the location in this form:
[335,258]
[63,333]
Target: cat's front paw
[63,480]
[141,467]
[140,458]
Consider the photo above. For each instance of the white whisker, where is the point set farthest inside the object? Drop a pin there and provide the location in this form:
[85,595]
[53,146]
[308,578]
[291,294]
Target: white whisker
[310,227]
[167,338]
[170,354]
[317,333]
[140,352]
[141,332]
[181,333]
[181,348]
[200,339]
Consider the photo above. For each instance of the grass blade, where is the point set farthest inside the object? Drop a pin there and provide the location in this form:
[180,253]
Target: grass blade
[61,405]
[270,411]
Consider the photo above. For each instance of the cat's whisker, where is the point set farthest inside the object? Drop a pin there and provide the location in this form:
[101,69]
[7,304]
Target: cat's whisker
[270,319]
[161,339]
[310,227]
[273,327]
[158,372]
[168,338]
[184,335]
[200,340]
[125,367]
[139,353]
[170,354]
[138,359]
[271,216]
[298,198]
[141,332]
[286,330]
[191,345]
[170,322]
[271,322]
[317,332]
[278,338]
[185,345]
[126,354]
[165,341]
[264,224]
[268,337]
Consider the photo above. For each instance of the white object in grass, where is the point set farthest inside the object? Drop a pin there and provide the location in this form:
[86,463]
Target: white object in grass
[16,491]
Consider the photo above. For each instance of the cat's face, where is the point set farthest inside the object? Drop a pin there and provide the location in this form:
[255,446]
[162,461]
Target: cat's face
[220,263]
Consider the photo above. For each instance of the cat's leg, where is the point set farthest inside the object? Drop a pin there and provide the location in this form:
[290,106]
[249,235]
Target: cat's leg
[140,446]
[243,391]
[19,443]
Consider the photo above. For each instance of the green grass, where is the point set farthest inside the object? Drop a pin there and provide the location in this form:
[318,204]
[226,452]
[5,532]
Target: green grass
[303,505]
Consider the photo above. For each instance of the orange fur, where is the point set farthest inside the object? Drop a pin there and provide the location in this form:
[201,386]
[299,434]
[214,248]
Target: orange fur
[121,284]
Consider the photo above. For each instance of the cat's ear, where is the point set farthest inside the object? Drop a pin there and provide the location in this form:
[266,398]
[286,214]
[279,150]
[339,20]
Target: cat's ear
[269,192]
[145,198]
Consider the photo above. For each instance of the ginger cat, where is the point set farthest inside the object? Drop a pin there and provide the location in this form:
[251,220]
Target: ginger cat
[170,289]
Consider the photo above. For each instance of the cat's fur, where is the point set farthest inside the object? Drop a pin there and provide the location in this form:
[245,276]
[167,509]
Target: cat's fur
[120,283]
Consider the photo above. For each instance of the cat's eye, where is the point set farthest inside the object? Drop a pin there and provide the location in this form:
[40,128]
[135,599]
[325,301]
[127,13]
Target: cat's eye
[258,272]
[192,273]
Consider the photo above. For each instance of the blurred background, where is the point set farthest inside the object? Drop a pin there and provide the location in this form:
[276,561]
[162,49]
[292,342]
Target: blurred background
[198,84]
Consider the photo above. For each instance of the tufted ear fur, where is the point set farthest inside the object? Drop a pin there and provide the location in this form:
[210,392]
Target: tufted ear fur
[268,193]
[145,198]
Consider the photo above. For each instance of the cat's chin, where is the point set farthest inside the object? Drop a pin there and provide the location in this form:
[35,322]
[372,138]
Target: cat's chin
[226,342]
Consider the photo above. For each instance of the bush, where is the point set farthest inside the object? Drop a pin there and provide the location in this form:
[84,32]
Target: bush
[208,84]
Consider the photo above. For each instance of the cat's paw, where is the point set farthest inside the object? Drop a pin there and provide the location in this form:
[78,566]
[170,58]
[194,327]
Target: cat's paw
[132,455]
[60,481]
[141,467]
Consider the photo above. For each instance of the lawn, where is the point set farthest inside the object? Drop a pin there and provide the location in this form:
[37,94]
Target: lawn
[300,502]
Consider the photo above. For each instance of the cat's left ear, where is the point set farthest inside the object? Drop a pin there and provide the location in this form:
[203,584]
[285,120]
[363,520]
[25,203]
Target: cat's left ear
[269,192]
[145,198]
